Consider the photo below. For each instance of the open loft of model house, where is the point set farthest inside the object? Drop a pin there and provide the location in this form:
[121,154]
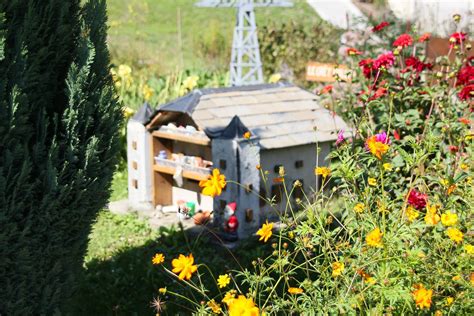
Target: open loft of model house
[173,147]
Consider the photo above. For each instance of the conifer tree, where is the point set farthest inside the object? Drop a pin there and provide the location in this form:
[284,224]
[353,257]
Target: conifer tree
[59,123]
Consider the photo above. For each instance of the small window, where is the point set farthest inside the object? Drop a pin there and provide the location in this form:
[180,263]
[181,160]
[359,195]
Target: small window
[277,192]
[222,204]
[298,190]
[276,168]
[134,145]
[249,188]
[263,196]
[298,163]
[134,165]
[135,183]
[222,164]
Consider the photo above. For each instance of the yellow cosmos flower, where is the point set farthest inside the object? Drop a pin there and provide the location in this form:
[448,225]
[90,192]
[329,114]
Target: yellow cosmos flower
[190,82]
[337,268]
[147,92]
[449,300]
[215,307]
[214,184]
[323,171]
[464,167]
[242,306]
[229,297]
[454,234]
[422,296]
[274,78]
[378,149]
[449,219]
[223,280]
[372,182]
[469,249]
[456,278]
[124,71]
[431,217]
[128,112]
[411,214]
[247,135]
[265,232]
[184,266]
[162,290]
[158,258]
[387,166]
[359,207]
[295,290]
[370,280]
[374,238]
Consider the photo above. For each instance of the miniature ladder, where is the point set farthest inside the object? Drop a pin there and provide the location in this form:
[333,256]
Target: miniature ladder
[245,64]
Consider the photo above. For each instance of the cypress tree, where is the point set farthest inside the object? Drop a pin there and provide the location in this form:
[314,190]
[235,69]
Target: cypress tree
[59,139]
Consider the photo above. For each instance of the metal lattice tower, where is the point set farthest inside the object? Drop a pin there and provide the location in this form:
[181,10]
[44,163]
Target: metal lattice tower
[245,64]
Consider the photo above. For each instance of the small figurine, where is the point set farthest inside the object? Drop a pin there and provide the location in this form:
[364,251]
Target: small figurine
[231,222]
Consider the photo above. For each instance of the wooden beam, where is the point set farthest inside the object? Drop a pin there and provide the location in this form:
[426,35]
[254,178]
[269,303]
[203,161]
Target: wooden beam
[186,174]
[205,141]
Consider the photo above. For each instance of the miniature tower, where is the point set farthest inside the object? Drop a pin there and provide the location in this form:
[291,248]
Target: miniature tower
[245,64]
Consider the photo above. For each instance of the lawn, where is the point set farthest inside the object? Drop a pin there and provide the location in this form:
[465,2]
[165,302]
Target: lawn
[171,34]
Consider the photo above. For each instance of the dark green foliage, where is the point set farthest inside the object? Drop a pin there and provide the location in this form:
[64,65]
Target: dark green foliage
[59,123]
[294,44]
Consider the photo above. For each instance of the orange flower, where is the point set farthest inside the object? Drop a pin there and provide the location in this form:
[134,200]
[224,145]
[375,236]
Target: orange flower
[184,266]
[295,290]
[422,296]
[214,184]
[247,135]
[378,145]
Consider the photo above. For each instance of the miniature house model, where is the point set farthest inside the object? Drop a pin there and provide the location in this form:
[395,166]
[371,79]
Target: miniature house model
[172,148]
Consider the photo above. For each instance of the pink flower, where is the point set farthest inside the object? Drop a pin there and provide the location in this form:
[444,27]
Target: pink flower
[417,199]
[403,40]
[385,60]
[380,26]
[340,137]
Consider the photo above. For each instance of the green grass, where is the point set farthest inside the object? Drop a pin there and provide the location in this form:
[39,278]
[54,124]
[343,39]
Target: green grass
[119,278]
[145,32]
[119,185]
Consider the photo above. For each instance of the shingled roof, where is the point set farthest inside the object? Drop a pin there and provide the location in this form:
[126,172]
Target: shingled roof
[279,115]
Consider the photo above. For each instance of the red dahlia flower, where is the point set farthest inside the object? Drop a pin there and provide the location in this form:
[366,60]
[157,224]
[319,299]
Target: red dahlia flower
[352,52]
[326,89]
[367,67]
[424,37]
[380,27]
[416,64]
[457,38]
[417,199]
[380,92]
[384,60]
[467,92]
[403,40]
[466,75]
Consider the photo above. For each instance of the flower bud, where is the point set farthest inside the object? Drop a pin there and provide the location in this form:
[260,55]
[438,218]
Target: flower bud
[457,18]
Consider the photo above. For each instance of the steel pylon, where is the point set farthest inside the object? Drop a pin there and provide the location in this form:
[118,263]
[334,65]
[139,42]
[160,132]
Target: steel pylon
[245,63]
